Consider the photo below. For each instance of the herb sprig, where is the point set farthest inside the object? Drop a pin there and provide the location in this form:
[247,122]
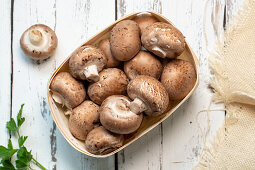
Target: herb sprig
[24,157]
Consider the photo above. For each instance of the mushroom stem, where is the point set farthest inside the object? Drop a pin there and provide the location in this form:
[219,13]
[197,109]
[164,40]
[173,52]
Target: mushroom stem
[68,112]
[137,106]
[35,36]
[57,98]
[158,50]
[91,73]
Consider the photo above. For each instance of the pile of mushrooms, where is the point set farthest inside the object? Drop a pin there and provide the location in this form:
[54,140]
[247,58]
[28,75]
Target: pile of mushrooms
[123,83]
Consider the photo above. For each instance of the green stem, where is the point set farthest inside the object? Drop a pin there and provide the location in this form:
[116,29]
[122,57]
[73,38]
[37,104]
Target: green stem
[18,132]
[40,165]
[30,167]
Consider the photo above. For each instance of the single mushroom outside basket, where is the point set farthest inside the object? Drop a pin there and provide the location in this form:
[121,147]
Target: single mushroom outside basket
[148,122]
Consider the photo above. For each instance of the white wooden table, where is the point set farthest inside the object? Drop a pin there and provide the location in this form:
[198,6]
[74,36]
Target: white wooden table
[175,144]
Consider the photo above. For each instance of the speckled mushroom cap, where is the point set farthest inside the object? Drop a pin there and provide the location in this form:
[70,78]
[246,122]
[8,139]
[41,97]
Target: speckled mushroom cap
[144,20]
[102,141]
[164,40]
[104,45]
[112,81]
[86,62]
[83,119]
[67,91]
[125,40]
[143,64]
[178,77]
[116,116]
[151,92]
[39,42]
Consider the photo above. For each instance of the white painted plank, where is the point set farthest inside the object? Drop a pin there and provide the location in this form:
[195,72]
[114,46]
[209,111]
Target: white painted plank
[77,21]
[233,7]
[5,69]
[182,139]
[30,80]
[146,152]
[74,22]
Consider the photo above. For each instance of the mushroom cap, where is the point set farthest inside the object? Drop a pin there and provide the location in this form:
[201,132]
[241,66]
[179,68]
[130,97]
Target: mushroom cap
[116,116]
[104,45]
[178,77]
[112,81]
[102,141]
[83,57]
[125,40]
[39,42]
[151,92]
[144,20]
[164,40]
[83,119]
[72,91]
[143,64]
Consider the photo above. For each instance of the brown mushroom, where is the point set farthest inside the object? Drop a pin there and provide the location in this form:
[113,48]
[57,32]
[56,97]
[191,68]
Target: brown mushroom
[112,81]
[102,141]
[144,20]
[125,40]
[86,62]
[104,45]
[39,42]
[116,116]
[178,77]
[83,119]
[143,64]
[164,40]
[148,95]
[67,91]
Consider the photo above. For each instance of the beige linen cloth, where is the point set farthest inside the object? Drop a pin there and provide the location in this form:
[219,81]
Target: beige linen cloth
[233,64]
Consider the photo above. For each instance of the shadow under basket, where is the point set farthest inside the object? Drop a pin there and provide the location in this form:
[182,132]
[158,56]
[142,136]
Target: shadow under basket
[148,123]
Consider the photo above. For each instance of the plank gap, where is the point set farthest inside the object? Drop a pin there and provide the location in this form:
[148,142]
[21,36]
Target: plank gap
[225,16]
[11,89]
[116,9]
[116,166]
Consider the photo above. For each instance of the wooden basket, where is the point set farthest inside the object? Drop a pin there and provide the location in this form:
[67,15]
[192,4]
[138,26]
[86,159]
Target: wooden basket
[148,122]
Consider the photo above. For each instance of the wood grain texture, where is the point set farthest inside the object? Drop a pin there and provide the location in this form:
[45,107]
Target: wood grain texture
[30,81]
[182,138]
[77,21]
[6,68]
[146,152]
[175,144]
[74,23]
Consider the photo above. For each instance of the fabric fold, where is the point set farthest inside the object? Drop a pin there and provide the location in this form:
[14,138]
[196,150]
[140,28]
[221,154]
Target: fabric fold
[233,66]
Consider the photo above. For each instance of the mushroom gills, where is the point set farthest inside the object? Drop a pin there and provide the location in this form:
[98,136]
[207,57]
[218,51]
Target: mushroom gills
[120,106]
[137,106]
[58,98]
[68,112]
[91,73]
[157,50]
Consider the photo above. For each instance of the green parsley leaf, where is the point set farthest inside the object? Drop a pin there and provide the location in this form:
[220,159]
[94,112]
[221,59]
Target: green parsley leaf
[21,140]
[7,165]
[20,119]
[10,144]
[24,155]
[24,158]
[6,153]
[11,125]
[21,163]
